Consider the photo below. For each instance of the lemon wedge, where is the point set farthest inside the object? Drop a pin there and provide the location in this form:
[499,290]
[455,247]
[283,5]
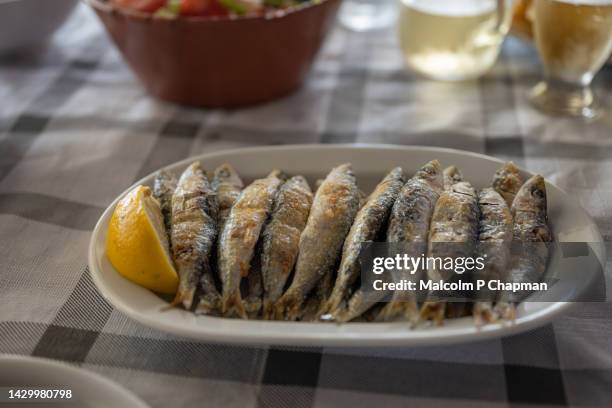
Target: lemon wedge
[137,244]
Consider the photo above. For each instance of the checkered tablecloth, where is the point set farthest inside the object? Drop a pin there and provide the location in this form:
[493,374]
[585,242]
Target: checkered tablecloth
[76,128]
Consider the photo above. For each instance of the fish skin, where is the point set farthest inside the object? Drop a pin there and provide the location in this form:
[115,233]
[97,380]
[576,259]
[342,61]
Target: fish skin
[507,181]
[239,238]
[193,235]
[455,220]
[409,223]
[370,219]
[163,189]
[494,239]
[531,229]
[334,208]
[227,185]
[281,238]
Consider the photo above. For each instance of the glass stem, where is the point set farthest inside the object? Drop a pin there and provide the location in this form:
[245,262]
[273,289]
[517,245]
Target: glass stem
[565,98]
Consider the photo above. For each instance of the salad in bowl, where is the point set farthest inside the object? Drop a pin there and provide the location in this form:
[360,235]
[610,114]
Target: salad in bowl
[207,8]
[218,53]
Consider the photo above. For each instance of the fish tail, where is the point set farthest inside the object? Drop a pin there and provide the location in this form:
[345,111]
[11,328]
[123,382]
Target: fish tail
[389,312]
[233,306]
[404,310]
[433,310]
[209,304]
[347,311]
[342,315]
[335,315]
[484,314]
[411,312]
[325,308]
[183,297]
[252,306]
[288,307]
[268,310]
[330,304]
[355,307]
[209,301]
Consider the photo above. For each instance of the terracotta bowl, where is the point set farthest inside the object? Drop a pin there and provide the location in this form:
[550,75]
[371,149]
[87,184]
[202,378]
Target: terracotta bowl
[220,62]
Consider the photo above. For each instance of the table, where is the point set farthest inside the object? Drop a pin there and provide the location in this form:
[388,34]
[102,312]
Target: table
[76,128]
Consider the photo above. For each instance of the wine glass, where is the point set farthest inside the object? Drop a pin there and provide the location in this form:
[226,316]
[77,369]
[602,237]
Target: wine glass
[574,40]
[453,40]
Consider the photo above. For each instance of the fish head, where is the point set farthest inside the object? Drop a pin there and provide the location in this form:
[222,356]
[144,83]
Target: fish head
[508,177]
[431,172]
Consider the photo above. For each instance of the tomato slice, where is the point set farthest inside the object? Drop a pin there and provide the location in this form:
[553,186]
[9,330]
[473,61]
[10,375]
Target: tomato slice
[146,6]
[202,8]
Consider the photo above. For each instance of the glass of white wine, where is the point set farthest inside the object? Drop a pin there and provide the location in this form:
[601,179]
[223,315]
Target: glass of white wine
[574,40]
[453,40]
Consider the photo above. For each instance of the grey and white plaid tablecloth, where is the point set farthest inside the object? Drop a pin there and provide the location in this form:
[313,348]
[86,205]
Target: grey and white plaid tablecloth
[76,128]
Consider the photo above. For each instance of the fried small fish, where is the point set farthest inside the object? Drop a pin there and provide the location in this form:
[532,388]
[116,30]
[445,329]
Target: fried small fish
[453,233]
[193,234]
[494,239]
[367,225]
[281,238]
[333,210]
[227,185]
[163,189]
[532,233]
[507,181]
[409,224]
[239,238]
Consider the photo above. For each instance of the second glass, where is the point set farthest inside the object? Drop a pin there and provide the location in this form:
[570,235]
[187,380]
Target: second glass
[453,40]
[574,40]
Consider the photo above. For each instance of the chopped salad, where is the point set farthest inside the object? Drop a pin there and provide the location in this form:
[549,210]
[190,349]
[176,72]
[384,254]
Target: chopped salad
[207,8]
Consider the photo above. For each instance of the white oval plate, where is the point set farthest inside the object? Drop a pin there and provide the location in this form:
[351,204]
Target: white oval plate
[570,223]
[89,390]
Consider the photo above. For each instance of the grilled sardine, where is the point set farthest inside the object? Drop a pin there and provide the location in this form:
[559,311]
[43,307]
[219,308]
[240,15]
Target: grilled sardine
[453,233]
[240,235]
[281,238]
[369,221]
[494,239]
[532,233]
[333,210]
[409,224]
[193,234]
